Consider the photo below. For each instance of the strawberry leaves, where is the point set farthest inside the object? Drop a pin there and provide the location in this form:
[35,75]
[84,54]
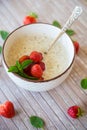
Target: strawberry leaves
[18,68]
[84,83]
[70,32]
[4,34]
[57,24]
[37,122]
[13,69]
[26,63]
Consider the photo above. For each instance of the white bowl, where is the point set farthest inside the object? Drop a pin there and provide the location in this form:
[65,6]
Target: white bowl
[39,28]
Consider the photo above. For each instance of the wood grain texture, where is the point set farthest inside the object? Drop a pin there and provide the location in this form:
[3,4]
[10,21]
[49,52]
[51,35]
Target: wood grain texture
[51,105]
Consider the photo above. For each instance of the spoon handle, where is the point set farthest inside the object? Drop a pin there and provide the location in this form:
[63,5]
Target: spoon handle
[75,14]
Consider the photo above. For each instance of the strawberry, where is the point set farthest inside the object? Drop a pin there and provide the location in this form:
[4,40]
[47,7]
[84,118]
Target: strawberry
[36,71]
[74,111]
[28,69]
[7,109]
[76,45]
[36,56]
[23,58]
[42,65]
[29,20]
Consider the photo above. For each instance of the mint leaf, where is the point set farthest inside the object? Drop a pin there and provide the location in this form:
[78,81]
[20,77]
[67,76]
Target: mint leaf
[26,63]
[33,15]
[37,122]
[0,49]
[70,32]
[84,83]
[26,76]
[13,69]
[4,34]
[19,66]
[19,70]
[57,24]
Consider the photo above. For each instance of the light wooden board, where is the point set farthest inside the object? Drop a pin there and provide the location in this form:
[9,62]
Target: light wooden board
[51,105]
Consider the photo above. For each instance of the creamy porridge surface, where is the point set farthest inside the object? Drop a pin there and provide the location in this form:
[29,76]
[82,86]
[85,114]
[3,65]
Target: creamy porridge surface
[55,61]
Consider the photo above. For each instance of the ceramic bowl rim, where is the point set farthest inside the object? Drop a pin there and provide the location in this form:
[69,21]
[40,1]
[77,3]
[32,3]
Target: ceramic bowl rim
[35,81]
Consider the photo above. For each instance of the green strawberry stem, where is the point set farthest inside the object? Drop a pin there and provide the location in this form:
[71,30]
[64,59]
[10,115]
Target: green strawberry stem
[33,15]
[80,112]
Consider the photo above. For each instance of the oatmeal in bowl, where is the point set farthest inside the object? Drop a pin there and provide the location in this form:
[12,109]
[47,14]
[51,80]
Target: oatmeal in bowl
[58,61]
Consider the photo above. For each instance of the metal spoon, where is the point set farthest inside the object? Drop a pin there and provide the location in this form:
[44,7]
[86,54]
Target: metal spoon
[75,14]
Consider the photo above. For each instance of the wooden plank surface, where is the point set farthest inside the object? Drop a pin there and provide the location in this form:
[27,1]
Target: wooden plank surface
[51,105]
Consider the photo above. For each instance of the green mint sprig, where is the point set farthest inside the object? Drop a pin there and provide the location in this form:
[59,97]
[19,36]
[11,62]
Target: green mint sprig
[84,83]
[57,24]
[18,69]
[37,122]
[4,34]
[70,32]
[26,63]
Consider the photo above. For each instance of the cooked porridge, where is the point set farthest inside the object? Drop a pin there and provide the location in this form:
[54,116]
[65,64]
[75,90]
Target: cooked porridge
[56,60]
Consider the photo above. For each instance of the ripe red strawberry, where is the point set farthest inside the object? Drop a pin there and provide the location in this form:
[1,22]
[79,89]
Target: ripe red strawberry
[36,71]
[42,65]
[74,111]
[23,58]
[7,109]
[76,45]
[29,20]
[36,56]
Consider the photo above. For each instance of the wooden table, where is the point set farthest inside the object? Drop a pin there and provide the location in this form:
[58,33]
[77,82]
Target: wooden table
[51,105]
